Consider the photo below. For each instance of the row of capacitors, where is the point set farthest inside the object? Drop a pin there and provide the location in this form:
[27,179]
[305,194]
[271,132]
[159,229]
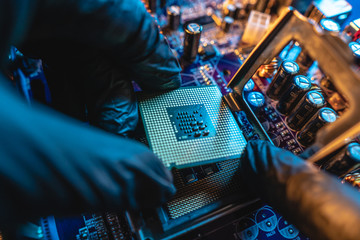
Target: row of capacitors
[299,100]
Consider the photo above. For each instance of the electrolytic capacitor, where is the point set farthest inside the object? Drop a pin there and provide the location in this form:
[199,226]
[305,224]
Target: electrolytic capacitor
[192,41]
[282,79]
[329,25]
[307,135]
[355,48]
[249,86]
[239,11]
[345,160]
[174,17]
[305,109]
[227,23]
[256,100]
[230,11]
[299,86]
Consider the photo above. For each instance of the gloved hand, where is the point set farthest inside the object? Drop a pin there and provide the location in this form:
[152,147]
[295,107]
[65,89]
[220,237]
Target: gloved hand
[314,201]
[93,50]
[53,165]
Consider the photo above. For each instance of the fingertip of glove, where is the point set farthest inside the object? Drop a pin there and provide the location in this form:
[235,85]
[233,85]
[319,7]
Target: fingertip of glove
[256,145]
[172,189]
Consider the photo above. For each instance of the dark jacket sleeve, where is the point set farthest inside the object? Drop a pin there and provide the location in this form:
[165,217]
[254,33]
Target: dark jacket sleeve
[51,164]
[123,30]
[314,201]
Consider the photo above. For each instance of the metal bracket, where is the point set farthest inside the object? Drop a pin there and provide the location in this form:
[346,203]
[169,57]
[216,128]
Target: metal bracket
[335,60]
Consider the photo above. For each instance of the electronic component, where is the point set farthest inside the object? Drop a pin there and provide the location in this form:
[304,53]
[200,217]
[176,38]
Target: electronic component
[192,41]
[227,23]
[268,70]
[246,126]
[282,79]
[174,17]
[286,229]
[239,11]
[256,27]
[304,60]
[208,51]
[324,116]
[350,30]
[345,160]
[262,5]
[249,86]
[355,48]
[338,10]
[204,21]
[230,10]
[109,225]
[307,107]
[247,229]
[256,99]
[173,146]
[299,86]
[266,219]
[329,25]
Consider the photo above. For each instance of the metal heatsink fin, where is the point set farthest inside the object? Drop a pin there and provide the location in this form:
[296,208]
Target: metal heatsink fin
[190,126]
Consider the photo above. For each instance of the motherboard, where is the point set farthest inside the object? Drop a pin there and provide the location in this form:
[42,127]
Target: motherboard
[212,39]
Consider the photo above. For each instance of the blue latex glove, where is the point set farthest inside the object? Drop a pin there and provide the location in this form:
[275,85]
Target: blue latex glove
[314,201]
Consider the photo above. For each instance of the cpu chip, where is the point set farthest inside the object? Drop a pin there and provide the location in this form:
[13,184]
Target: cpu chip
[190,126]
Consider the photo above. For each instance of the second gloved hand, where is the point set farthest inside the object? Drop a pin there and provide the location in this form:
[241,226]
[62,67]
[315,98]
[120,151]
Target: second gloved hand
[314,201]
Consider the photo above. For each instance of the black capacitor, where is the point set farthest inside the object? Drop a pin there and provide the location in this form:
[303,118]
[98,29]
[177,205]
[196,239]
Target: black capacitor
[355,48]
[299,86]
[345,160]
[307,135]
[230,11]
[240,12]
[192,41]
[282,79]
[227,23]
[305,109]
[174,17]
[256,101]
